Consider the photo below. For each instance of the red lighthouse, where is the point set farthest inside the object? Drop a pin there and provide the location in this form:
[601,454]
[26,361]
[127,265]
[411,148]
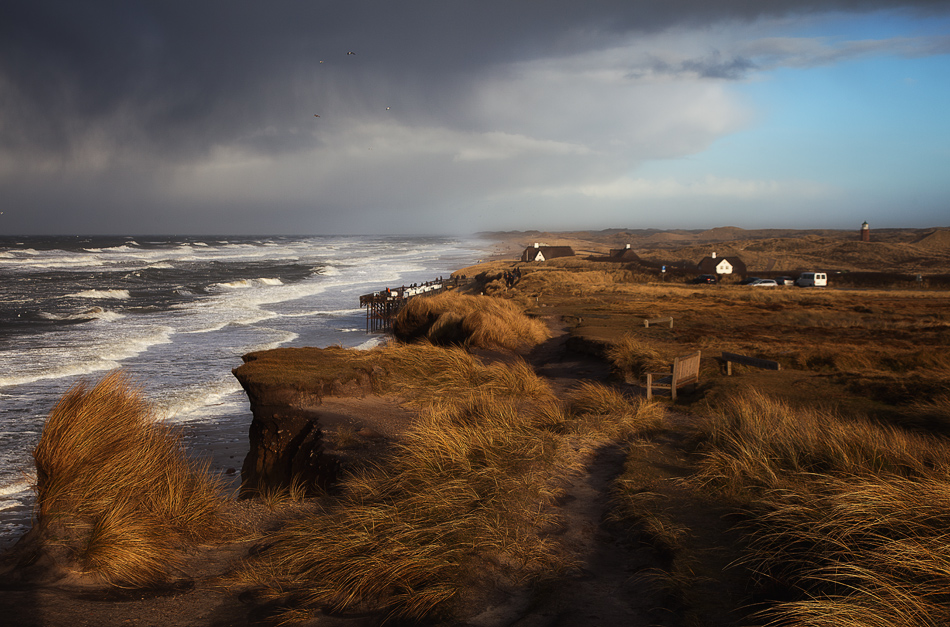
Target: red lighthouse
[865,232]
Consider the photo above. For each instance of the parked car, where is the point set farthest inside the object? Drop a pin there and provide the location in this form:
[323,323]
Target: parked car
[785,280]
[812,279]
[764,283]
[749,280]
[705,278]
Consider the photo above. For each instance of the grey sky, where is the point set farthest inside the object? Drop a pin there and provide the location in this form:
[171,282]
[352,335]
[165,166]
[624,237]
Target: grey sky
[185,117]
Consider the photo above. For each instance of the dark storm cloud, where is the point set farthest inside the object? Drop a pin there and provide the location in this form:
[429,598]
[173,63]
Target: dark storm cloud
[196,116]
[175,79]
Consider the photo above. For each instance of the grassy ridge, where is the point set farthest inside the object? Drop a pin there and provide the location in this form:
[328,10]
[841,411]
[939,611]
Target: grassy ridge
[115,489]
[467,490]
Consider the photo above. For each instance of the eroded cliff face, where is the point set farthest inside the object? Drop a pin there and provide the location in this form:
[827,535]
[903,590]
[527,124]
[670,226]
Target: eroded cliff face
[286,441]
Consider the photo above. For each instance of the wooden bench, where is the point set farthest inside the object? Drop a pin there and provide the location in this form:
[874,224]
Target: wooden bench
[685,372]
[733,358]
[668,320]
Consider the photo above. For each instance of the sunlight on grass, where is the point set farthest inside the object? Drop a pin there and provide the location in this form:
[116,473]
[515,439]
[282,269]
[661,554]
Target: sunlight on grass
[116,489]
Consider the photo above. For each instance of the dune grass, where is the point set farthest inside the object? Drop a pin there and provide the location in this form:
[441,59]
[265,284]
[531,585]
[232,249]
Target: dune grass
[474,321]
[425,373]
[464,488]
[848,518]
[115,489]
[601,409]
[634,357]
[467,492]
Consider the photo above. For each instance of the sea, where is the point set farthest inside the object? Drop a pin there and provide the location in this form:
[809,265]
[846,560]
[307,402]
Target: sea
[175,314]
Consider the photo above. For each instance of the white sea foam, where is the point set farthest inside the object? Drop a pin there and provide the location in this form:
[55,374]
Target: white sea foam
[95,313]
[70,360]
[101,294]
[184,404]
[371,343]
[15,487]
[321,312]
[242,284]
[286,337]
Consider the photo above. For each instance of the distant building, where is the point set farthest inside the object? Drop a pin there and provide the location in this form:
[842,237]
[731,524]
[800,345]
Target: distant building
[622,254]
[721,265]
[543,253]
[865,232]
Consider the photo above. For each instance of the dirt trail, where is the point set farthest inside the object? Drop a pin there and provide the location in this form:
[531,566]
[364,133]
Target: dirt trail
[622,580]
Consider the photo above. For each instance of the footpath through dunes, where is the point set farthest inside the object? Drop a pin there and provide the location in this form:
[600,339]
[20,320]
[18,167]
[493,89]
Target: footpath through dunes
[648,548]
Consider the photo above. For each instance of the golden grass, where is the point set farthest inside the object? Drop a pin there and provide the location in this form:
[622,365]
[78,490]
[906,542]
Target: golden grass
[465,486]
[847,515]
[477,321]
[634,358]
[467,490]
[116,489]
[757,442]
[597,408]
[429,373]
[576,281]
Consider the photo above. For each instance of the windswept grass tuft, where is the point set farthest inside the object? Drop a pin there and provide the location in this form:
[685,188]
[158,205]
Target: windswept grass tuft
[847,518]
[634,358]
[859,551]
[595,407]
[757,442]
[116,489]
[426,372]
[478,321]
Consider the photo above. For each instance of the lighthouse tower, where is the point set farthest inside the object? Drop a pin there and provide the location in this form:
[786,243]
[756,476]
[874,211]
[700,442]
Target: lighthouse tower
[865,232]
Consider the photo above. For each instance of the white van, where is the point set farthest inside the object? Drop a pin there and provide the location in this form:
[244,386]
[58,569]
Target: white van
[812,279]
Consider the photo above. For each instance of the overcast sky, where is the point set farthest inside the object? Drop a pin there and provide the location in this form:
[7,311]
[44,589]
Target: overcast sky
[450,117]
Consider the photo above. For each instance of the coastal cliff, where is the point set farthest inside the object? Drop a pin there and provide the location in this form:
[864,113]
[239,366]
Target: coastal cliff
[286,387]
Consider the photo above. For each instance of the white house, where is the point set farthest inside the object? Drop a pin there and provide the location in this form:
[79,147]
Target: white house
[721,265]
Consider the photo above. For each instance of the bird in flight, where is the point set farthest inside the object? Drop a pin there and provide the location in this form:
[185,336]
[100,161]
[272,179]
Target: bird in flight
[349,53]
[315,115]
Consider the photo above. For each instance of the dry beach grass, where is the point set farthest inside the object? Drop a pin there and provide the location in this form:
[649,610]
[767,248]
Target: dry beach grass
[115,491]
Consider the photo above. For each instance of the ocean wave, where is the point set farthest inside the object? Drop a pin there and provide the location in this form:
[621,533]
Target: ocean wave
[94,313]
[198,399]
[370,343]
[15,487]
[322,312]
[103,294]
[45,263]
[244,317]
[63,362]
[285,337]
[242,284]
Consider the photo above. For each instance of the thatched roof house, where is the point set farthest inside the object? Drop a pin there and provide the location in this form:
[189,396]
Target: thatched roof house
[622,254]
[721,265]
[543,253]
